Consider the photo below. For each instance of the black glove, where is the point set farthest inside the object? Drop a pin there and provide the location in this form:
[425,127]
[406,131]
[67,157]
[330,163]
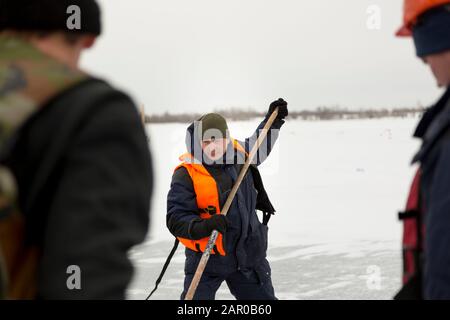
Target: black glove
[282,109]
[203,227]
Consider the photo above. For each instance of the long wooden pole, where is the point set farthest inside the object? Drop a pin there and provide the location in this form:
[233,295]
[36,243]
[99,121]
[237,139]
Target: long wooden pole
[212,239]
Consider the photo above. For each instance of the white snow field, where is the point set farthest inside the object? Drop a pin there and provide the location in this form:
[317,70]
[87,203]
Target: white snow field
[337,187]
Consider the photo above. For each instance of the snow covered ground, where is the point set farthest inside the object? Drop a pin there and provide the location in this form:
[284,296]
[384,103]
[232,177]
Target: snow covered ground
[337,187]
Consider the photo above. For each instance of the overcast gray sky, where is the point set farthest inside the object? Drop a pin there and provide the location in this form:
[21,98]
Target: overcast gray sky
[200,55]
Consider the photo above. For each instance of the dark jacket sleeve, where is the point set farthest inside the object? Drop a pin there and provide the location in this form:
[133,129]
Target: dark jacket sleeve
[267,144]
[182,209]
[101,206]
[437,245]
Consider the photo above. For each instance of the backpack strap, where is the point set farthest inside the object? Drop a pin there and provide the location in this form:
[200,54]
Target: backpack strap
[166,265]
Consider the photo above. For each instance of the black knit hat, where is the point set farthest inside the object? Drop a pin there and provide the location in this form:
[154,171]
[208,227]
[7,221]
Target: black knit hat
[49,15]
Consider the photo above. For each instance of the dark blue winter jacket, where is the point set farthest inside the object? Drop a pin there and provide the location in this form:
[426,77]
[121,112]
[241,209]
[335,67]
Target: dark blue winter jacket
[246,239]
[434,156]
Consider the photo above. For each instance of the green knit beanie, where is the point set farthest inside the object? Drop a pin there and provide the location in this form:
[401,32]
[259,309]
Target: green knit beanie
[215,123]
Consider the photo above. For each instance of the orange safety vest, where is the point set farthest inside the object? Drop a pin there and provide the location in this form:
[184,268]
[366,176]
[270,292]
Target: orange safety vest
[207,196]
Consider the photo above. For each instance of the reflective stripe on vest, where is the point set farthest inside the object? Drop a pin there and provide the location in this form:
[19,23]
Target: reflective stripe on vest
[207,197]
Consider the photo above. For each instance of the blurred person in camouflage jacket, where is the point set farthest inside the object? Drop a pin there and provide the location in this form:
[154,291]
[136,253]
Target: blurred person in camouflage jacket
[76,150]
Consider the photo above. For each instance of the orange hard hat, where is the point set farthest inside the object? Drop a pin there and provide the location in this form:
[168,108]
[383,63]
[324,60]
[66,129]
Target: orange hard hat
[412,9]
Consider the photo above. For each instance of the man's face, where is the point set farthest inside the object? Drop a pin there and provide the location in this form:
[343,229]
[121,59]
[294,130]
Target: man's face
[214,148]
[440,65]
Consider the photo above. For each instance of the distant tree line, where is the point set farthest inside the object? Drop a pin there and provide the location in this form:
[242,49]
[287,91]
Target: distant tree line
[321,113]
